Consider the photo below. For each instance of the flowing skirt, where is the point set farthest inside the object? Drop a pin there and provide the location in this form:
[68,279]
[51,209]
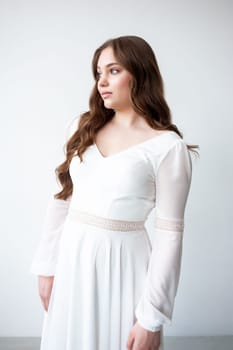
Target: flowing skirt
[100,276]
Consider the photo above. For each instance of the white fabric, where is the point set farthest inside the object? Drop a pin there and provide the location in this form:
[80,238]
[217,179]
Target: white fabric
[173,180]
[125,186]
[45,259]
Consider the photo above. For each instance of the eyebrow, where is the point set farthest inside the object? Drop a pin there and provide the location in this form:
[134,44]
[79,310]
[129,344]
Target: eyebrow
[110,64]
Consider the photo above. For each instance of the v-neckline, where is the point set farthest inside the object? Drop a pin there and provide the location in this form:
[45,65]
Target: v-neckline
[130,147]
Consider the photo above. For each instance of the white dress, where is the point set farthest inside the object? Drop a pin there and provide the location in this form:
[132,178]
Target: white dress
[107,276]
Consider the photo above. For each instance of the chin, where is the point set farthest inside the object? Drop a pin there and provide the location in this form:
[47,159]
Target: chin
[109,105]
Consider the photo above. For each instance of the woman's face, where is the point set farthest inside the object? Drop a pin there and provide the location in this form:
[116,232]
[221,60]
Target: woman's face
[113,81]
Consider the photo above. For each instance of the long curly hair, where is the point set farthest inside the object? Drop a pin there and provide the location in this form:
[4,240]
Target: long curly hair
[147,98]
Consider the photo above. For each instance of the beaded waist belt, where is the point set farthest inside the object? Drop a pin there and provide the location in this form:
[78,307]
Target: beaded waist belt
[106,223]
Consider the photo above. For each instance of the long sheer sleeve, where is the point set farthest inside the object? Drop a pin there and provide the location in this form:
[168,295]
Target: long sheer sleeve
[45,258]
[172,179]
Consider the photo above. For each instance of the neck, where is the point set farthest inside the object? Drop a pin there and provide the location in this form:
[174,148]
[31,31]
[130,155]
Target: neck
[126,118]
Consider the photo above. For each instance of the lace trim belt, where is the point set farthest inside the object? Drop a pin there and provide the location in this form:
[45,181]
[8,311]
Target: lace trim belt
[106,223]
[176,225]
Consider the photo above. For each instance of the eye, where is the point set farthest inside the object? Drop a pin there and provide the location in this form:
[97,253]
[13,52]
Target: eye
[114,71]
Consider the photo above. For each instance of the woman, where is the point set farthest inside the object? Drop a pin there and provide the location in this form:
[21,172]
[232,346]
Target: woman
[103,283]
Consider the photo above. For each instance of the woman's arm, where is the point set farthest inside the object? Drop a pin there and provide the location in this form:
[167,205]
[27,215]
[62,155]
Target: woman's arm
[173,180]
[45,258]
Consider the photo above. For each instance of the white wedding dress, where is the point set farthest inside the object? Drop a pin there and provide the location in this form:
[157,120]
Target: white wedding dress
[108,272]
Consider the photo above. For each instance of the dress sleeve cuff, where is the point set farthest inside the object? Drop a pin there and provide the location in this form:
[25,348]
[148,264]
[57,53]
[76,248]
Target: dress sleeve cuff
[42,269]
[150,328]
[149,317]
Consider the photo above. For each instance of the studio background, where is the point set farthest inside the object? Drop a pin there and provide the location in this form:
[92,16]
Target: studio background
[45,70]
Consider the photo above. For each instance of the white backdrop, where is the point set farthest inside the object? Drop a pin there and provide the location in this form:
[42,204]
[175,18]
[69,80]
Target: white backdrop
[45,77]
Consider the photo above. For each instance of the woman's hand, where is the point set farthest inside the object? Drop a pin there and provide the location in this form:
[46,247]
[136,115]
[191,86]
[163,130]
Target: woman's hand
[142,339]
[45,284]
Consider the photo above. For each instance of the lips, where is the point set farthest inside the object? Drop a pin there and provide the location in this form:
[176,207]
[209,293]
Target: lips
[105,94]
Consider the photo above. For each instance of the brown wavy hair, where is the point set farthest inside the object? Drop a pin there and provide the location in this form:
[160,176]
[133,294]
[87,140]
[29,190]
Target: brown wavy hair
[147,98]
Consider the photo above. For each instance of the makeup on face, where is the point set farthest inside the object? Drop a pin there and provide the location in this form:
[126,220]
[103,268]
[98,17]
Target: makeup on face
[113,81]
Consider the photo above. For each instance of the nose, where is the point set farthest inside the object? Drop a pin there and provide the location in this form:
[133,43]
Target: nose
[103,81]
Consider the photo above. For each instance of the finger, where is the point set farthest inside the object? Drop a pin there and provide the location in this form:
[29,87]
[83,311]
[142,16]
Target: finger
[129,343]
[45,303]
